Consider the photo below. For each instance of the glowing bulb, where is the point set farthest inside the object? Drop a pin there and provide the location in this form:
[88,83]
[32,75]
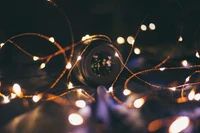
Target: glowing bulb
[197,97]
[69,65]
[80,103]
[126,92]
[6,99]
[184,63]
[36,98]
[17,89]
[116,54]
[179,124]
[143,27]
[120,40]
[51,39]
[12,95]
[137,51]
[110,89]
[85,37]
[162,68]
[173,88]
[78,58]
[75,119]
[70,85]
[152,26]
[43,65]
[191,95]
[79,90]
[197,55]
[131,40]
[2,44]
[139,102]
[180,39]
[35,58]
[187,79]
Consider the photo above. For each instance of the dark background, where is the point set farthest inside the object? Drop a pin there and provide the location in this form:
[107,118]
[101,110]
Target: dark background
[110,17]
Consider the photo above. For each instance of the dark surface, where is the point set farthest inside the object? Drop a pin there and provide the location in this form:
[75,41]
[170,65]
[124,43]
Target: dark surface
[113,18]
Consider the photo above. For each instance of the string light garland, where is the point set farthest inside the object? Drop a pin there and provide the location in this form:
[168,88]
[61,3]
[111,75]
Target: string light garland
[77,119]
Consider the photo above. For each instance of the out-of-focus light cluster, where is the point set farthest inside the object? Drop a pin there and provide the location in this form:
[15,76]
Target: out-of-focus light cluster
[180,124]
[80,103]
[17,90]
[139,102]
[75,119]
[137,51]
[120,40]
[131,40]
[36,98]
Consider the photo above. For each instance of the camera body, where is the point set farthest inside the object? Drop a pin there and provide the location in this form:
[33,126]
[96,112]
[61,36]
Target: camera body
[99,64]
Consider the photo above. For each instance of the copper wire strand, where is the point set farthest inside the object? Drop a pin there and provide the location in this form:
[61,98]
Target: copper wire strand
[70,29]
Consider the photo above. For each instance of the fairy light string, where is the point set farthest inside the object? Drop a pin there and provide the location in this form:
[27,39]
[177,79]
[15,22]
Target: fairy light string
[90,39]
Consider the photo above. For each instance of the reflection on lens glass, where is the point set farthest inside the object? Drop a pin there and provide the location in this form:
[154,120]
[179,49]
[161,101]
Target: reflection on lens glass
[102,64]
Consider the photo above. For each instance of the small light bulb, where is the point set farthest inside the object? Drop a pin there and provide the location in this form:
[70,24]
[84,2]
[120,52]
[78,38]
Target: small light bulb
[85,37]
[75,119]
[162,68]
[139,102]
[51,39]
[187,79]
[110,89]
[152,26]
[137,51]
[180,39]
[70,85]
[143,27]
[17,89]
[131,40]
[197,54]
[191,95]
[197,97]
[35,58]
[43,65]
[180,124]
[126,92]
[80,103]
[12,95]
[120,40]
[6,99]
[173,88]
[36,98]
[78,58]
[184,63]
[69,65]
[116,54]
[2,44]
[79,90]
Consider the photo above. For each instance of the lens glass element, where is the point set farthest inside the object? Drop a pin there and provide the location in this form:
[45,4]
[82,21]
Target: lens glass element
[102,64]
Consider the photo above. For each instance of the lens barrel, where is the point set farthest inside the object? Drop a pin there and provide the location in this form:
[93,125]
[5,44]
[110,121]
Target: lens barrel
[99,64]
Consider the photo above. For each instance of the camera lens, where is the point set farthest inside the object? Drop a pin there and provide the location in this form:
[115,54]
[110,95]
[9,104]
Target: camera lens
[101,64]
[98,65]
